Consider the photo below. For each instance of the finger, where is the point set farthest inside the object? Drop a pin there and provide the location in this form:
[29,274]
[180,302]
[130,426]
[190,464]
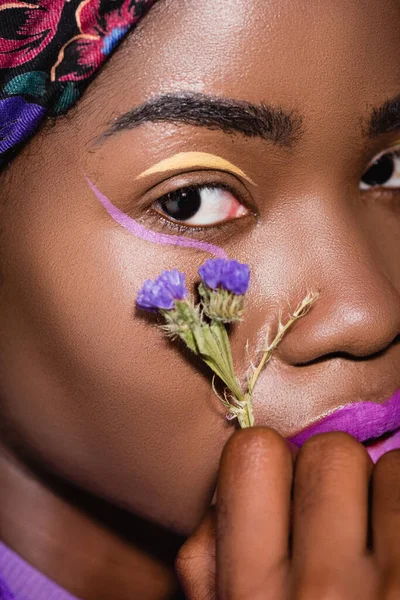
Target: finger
[330,506]
[253,509]
[386,512]
[195,563]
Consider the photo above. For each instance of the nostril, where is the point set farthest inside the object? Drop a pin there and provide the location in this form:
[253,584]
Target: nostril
[360,357]
[356,317]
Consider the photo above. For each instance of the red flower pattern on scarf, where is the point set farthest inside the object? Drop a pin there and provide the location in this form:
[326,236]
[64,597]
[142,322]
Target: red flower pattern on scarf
[39,22]
[49,50]
[98,35]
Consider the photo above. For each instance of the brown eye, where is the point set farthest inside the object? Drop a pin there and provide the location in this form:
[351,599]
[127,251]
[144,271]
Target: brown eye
[181,205]
[383,172]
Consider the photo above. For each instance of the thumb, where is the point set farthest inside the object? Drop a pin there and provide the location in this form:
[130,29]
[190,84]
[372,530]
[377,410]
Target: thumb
[195,563]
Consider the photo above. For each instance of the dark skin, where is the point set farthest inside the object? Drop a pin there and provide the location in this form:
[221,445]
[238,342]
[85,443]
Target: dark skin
[112,432]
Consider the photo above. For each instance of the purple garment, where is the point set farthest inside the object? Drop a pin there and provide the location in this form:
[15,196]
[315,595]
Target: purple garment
[20,581]
[18,119]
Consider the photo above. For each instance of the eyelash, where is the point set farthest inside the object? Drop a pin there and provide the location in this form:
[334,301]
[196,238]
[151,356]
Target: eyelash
[212,231]
[165,224]
[380,190]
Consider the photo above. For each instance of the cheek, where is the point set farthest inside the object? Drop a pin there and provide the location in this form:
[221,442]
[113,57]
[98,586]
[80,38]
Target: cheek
[105,401]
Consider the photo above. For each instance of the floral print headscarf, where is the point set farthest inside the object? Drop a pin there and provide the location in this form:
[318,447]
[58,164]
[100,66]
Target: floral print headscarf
[50,50]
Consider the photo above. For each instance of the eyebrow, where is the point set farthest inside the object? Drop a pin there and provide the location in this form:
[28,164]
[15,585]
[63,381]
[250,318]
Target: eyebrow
[386,118]
[215,113]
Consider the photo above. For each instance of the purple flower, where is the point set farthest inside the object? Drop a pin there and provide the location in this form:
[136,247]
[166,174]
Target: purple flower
[211,272]
[18,119]
[235,277]
[228,274]
[162,293]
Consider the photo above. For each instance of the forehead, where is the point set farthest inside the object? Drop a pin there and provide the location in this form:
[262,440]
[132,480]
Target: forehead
[305,55]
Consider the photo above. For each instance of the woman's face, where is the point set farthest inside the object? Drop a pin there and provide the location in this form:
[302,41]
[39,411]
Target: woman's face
[90,386]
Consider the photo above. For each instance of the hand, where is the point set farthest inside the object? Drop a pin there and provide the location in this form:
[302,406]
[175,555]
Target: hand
[324,525]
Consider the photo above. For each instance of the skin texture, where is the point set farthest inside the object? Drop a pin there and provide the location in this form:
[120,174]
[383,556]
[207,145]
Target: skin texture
[92,395]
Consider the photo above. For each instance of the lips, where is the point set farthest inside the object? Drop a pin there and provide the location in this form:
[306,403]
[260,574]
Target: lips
[377,426]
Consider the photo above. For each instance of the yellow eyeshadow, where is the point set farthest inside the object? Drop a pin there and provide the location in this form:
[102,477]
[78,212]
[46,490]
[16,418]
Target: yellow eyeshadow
[195,160]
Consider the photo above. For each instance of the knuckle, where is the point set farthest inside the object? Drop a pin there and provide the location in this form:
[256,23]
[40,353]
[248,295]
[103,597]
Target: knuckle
[320,461]
[257,440]
[386,479]
[334,448]
[195,572]
[313,593]
[183,564]
[317,589]
[388,465]
[190,561]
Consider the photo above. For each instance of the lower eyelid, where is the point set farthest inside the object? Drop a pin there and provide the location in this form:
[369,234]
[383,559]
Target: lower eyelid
[185,224]
[161,221]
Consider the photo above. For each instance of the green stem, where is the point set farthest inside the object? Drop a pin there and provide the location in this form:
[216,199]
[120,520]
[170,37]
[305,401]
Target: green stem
[246,418]
[300,312]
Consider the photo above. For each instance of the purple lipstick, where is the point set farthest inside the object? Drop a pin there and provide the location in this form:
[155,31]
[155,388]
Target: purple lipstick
[377,426]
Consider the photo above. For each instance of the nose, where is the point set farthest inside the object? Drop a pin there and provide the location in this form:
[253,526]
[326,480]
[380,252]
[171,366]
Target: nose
[334,249]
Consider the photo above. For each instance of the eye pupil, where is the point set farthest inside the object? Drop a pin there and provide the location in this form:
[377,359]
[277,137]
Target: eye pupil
[380,171]
[182,204]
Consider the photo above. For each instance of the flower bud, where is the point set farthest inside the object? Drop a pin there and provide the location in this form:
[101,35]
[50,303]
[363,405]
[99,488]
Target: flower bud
[224,283]
[181,321]
[221,305]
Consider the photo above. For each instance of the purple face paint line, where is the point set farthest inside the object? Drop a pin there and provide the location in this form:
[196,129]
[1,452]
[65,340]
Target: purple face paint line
[362,420]
[151,236]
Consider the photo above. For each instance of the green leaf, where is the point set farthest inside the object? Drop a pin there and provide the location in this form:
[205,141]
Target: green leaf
[33,84]
[189,340]
[67,98]
[215,351]
[219,331]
